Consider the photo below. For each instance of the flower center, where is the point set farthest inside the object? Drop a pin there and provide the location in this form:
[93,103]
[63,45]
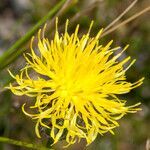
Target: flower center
[66,90]
[64,93]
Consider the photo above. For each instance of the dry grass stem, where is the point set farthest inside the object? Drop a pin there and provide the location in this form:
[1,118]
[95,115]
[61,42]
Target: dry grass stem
[126,21]
[121,15]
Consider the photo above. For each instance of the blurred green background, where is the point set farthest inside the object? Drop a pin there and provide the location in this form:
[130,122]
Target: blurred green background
[18,16]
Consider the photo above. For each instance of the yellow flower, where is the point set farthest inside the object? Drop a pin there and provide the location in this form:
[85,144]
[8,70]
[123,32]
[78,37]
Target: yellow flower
[76,85]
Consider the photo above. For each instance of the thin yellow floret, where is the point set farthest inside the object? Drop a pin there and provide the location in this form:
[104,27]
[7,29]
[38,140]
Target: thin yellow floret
[76,86]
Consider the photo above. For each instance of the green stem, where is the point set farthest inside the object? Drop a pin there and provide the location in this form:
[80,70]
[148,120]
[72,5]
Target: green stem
[22,144]
[10,54]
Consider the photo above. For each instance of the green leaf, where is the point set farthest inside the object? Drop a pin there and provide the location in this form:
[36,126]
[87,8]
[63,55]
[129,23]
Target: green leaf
[22,144]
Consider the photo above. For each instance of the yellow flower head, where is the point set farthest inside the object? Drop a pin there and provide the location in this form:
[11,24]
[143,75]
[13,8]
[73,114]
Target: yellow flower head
[76,86]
